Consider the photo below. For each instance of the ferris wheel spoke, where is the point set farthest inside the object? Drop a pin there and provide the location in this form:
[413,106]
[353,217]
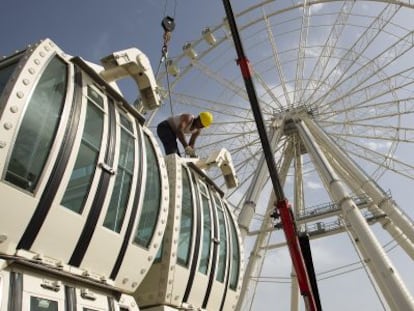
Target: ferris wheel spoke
[230,86]
[376,65]
[329,47]
[215,106]
[269,92]
[401,106]
[346,81]
[357,49]
[373,115]
[224,82]
[232,139]
[389,85]
[384,161]
[301,51]
[276,60]
[375,131]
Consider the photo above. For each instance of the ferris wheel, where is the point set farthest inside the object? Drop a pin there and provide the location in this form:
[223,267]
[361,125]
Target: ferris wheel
[335,82]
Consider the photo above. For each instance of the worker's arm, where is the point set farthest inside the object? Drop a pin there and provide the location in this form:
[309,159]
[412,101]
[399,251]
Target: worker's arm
[185,119]
[193,138]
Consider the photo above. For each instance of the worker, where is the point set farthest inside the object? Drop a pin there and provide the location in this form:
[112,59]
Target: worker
[178,127]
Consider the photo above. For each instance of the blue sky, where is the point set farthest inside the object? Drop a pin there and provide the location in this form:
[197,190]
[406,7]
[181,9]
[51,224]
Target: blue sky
[95,28]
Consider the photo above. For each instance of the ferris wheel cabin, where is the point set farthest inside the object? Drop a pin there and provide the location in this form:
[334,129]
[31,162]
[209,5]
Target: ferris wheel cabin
[93,217]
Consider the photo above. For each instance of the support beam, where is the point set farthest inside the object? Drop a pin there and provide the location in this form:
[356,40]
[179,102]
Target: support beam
[366,183]
[383,271]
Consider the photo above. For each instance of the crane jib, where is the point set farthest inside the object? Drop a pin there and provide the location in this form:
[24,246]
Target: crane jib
[283,209]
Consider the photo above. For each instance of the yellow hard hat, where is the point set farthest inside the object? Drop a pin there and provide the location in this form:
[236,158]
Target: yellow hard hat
[206,118]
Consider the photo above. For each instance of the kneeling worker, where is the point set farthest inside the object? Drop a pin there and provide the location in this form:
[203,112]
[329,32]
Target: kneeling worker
[178,126]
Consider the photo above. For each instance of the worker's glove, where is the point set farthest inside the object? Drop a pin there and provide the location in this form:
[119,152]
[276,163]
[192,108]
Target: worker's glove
[190,152]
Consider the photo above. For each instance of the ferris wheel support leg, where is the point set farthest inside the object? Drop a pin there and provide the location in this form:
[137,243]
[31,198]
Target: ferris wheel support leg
[258,182]
[372,270]
[384,272]
[366,183]
[298,204]
[255,263]
[382,218]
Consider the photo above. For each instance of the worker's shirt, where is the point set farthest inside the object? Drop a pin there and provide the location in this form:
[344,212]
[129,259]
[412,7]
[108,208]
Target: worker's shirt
[175,121]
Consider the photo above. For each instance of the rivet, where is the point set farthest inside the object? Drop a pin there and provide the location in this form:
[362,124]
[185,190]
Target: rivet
[26,81]
[32,71]
[37,62]
[3,144]
[124,281]
[42,54]
[47,48]
[20,94]
[150,258]
[8,125]
[135,284]
[142,271]
[14,109]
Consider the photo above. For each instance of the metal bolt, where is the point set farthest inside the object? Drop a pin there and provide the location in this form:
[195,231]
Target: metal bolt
[8,125]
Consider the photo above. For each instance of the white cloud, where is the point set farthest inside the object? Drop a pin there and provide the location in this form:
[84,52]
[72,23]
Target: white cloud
[314,185]
[316,8]
[377,146]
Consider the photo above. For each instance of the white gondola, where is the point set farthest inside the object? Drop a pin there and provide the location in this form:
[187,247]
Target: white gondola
[200,265]
[85,192]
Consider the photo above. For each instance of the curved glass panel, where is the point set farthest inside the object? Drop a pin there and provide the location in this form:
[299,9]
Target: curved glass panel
[86,162]
[38,129]
[205,250]
[221,269]
[152,197]
[235,257]
[123,181]
[186,226]
[5,73]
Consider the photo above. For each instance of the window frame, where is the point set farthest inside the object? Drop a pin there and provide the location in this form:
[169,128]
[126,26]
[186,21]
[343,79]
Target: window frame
[148,143]
[60,126]
[101,150]
[133,172]
[185,262]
